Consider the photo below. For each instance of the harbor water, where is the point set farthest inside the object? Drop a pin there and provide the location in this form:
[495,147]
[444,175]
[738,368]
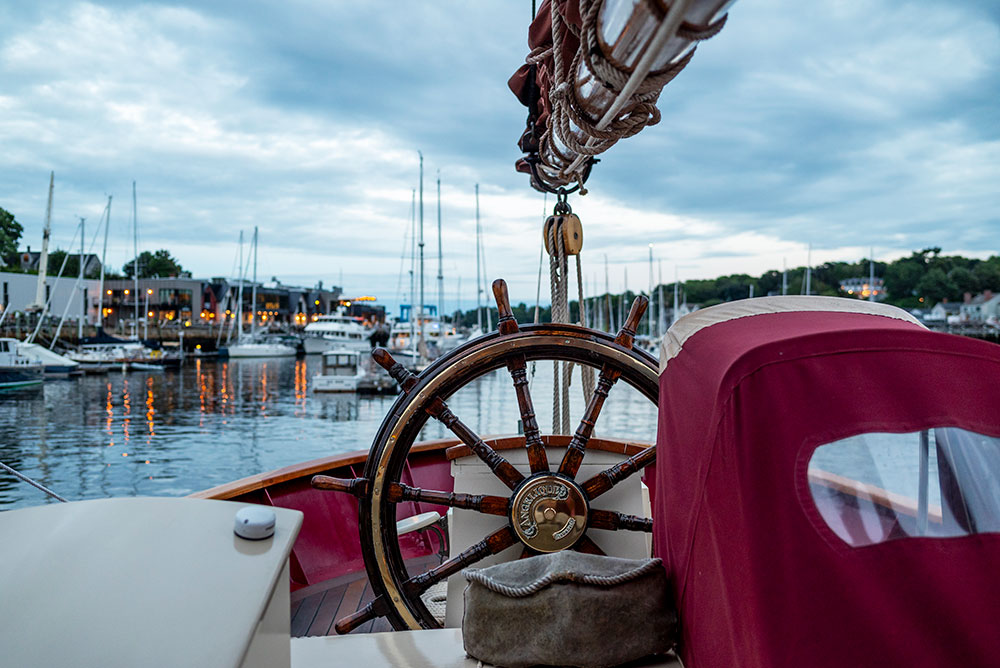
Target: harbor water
[211,422]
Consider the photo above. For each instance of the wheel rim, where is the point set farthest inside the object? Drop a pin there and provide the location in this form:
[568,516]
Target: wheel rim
[441,380]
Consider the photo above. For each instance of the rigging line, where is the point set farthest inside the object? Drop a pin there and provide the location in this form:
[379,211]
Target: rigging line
[48,302]
[76,284]
[541,250]
[21,476]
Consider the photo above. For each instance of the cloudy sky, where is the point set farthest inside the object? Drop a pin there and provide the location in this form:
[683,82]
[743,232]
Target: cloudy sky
[844,124]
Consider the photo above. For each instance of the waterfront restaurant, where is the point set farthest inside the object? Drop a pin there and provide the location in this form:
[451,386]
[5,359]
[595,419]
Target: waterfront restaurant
[193,302]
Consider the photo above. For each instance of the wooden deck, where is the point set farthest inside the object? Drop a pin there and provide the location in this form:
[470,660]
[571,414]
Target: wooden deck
[315,609]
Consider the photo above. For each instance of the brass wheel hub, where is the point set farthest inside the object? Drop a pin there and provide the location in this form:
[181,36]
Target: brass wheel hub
[548,513]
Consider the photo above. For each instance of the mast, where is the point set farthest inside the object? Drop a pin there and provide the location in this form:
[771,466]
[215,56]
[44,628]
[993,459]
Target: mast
[676,305]
[420,307]
[486,302]
[809,270]
[135,263]
[650,332]
[104,255]
[413,271]
[43,259]
[440,256]
[253,289]
[621,300]
[871,275]
[83,302]
[784,276]
[662,324]
[479,280]
[239,295]
[607,297]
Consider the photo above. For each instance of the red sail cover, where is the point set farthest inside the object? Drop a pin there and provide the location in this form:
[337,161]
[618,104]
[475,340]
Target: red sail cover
[759,578]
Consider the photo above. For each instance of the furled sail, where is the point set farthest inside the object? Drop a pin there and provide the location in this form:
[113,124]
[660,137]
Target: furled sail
[594,74]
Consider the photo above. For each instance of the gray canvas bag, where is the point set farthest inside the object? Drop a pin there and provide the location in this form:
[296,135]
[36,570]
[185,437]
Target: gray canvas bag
[568,609]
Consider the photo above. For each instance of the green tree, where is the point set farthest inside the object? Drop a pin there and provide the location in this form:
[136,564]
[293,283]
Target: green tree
[964,280]
[151,265]
[936,286]
[10,234]
[987,273]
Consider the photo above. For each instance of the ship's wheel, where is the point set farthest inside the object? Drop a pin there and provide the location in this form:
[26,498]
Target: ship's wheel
[547,510]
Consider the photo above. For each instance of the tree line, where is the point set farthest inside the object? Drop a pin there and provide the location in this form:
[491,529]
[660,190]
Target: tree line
[919,280]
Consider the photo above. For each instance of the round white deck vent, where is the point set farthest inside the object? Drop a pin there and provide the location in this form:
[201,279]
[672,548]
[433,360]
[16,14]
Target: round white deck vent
[254,522]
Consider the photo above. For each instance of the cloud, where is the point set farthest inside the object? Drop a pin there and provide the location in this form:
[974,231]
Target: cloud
[842,124]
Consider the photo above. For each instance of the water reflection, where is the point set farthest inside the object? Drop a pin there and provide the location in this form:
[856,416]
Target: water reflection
[213,422]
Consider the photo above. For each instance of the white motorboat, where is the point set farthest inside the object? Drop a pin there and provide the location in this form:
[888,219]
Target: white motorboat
[54,364]
[17,370]
[342,372]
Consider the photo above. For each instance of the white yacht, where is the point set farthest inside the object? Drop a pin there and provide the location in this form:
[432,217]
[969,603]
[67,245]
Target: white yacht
[336,331]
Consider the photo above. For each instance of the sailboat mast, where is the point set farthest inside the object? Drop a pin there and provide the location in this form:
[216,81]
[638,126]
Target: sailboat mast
[784,276]
[43,259]
[83,290]
[253,289]
[662,324]
[809,270]
[607,297]
[440,256]
[135,263]
[420,306]
[239,295]
[413,270]
[871,275]
[676,295]
[479,279]
[104,256]
[650,332]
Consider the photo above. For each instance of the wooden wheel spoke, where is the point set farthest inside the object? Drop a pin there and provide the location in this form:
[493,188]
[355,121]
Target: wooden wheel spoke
[610,477]
[587,545]
[398,492]
[497,541]
[481,503]
[503,469]
[609,376]
[439,410]
[518,368]
[615,521]
[537,459]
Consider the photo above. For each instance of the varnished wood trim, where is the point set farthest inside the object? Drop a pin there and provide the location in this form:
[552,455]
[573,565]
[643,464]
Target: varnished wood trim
[627,448]
[897,502]
[308,469]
